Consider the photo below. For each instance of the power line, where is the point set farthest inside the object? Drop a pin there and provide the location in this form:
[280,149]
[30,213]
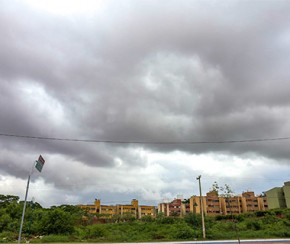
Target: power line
[146,142]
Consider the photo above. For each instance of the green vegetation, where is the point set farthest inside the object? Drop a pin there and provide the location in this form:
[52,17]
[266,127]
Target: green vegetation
[68,223]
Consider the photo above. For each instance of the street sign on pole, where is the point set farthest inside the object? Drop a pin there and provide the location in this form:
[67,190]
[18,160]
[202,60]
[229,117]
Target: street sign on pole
[39,163]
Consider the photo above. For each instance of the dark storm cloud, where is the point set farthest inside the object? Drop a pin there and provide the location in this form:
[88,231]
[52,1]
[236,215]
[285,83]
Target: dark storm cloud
[147,71]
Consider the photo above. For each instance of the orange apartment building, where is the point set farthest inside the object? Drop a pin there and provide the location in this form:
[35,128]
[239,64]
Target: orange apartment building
[108,211]
[251,203]
[213,204]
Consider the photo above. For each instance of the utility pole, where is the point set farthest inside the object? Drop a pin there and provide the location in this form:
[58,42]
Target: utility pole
[201,208]
[24,207]
[38,164]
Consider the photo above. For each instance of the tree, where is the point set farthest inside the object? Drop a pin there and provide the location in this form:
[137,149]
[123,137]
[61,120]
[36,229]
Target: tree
[10,212]
[227,192]
[186,201]
[4,221]
[215,187]
[5,200]
[76,212]
[223,191]
[57,221]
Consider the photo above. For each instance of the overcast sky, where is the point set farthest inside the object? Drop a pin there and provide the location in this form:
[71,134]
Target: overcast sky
[160,73]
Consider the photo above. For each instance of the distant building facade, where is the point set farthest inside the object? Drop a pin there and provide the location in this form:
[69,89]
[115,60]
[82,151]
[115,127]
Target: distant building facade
[279,197]
[177,207]
[213,204]
[108,211]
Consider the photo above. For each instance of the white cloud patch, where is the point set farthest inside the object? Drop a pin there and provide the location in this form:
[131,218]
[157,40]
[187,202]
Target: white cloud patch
[66,7]
[41,105]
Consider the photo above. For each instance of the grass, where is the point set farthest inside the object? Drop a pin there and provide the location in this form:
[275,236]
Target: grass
[247,226]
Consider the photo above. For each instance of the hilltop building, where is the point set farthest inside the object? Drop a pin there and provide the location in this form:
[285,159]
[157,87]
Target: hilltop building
[213,204]
[279,197]
[108,211]
[177,207]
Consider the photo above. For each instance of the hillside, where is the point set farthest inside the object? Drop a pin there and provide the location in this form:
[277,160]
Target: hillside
[66,223]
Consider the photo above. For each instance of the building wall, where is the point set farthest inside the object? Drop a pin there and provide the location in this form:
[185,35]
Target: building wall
[251,202]
[127,210]
[275,198]
[89,208]
[279,197]
[195,204]
[263,203]
[107,211]
[286,190]
[213,203]
[146,211]
[177,207]
[162,208]
[232,205]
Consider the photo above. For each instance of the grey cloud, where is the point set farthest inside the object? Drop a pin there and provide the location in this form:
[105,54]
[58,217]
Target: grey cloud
[145,71]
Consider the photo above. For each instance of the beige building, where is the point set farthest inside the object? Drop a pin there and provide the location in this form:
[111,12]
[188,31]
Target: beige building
[108,211]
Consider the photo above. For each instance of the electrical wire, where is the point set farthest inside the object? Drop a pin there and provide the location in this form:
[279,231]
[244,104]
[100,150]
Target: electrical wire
[145,142]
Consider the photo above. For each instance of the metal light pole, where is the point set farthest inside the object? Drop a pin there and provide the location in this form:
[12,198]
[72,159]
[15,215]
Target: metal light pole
[38,164]
[24,207]
[201,208]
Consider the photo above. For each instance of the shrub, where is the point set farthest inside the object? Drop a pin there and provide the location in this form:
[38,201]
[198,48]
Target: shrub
[96,231]
[288,215]
[157,236]
[7,236]
[192,219]
[57,221]
[183,233]
[147,219]
[281,234]
[261,213]
[165,220]
[55,238]
[254,225]
[269,218]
